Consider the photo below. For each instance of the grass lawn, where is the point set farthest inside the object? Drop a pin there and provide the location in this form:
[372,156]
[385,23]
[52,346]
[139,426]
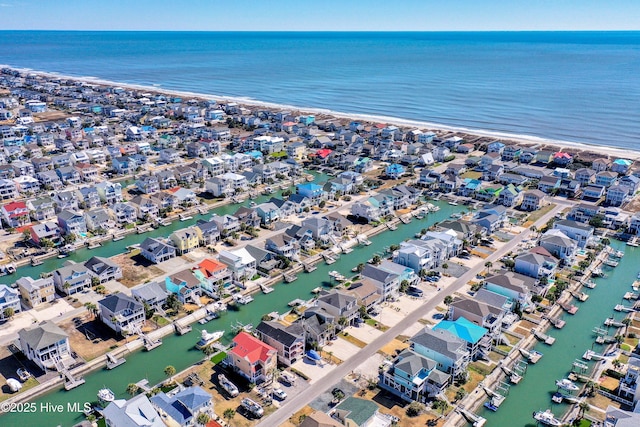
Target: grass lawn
[161,321]
[219,357]
[30,383]
[481,368]
[535,216]
[375,324]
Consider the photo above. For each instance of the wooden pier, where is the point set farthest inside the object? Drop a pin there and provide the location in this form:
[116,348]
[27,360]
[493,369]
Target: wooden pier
[113,361]
[70,382]
[549,340]
[290,277]
[150,344]
[474,419]
[569,308]
[180,329]
[580,296]
[555,322]
[309,267]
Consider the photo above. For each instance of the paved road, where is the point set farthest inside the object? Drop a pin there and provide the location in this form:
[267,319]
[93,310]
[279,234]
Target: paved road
[297,402]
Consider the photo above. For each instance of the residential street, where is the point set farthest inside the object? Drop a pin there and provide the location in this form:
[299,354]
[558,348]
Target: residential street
[297,402]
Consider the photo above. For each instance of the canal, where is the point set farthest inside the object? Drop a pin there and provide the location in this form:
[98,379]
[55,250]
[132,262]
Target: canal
[109,249]
[179,351]
[535,391]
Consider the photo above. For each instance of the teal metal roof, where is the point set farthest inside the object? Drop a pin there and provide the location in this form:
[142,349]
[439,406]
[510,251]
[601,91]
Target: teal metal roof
[463,329]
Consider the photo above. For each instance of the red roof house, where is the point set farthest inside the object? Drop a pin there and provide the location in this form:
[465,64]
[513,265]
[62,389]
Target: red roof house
[252,358]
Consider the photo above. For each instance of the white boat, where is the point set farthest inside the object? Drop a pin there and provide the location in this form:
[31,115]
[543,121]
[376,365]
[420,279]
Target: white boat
[242,299]
[252,406]
[453,203]
[106,395]
[567,384]
[206,338]
[547,418]
[23,374]
[14,385]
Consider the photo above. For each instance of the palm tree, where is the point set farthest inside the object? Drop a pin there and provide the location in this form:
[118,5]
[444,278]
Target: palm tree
[132,389]
[203,418]
[488,265]
[8,312]
[584,407]
[169,371]
[448,299]
[626,321]
[228,414]
[616,364]
[66,287]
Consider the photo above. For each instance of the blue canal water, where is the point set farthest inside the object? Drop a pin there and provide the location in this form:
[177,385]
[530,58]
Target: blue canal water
[574,86]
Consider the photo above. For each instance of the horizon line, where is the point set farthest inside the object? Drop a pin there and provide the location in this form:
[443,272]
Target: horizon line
[325,31]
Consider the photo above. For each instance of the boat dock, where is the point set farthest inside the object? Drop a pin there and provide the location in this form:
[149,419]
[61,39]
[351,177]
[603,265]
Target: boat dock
[406,219]
[610,321]
[589,284]
[474,419]
[631,296]
[633,242]
[391,226]
[555,322]
[113,361]
[296,302]
[150,344]
[362,239]
[620,307]
[532,356]
[309,267]
[267,289]
[609,262]
[328,259]
[580,296]
[288,278]
[143,385]
[577,364]
[180,329]
[549,340]
[70,382]
[514,377]
[569,308]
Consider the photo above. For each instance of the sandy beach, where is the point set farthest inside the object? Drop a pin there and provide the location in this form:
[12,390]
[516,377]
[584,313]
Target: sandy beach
[585,151]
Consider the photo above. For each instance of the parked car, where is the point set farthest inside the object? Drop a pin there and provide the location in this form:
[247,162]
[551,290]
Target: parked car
[279,394]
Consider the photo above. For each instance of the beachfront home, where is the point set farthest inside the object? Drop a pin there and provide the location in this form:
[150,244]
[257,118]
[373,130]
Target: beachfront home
[183,408]
[606,178]
[47,345]
[185,240]
[252,358]
[581,233]
[621,166]
[287,340]
[135,412]
[36,292]
[72,278]
[9,302]
[121,313]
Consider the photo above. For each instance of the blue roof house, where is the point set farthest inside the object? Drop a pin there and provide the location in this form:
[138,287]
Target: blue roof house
[184,406]
[477,338]
[394,171]
[314,192]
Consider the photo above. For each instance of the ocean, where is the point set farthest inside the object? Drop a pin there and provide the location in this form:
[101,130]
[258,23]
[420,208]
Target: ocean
[572,86]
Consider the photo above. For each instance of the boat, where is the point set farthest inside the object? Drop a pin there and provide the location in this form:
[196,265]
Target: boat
[206,338]
[14,385]
[589,284]
[490,406]
[60,256]
[242,299]
[610,321]
[208,317]
[228,386]
[35,262]
[106,395]
[313,355]
[114,362]
[288,377]
[547,418]
[592,355]
[184,217]
[567,384]
[620,307]
[23,374]
[557,397]
[453,203]
[252,406]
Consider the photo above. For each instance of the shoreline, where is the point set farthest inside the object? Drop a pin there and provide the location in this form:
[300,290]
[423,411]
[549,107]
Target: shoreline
[523,139]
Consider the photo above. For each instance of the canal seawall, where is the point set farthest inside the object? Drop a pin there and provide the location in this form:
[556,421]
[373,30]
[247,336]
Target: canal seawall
[474,400]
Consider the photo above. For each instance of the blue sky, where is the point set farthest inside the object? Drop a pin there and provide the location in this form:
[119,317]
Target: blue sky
[330,15]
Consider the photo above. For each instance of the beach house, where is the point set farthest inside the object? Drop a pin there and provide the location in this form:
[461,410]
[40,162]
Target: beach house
[252,358]
[448,351]
[72,278]
[135,412]
[9,302]
[47,345]
[581,233]
[185,240]
[121,313]
[36,292]
[183,408]
[287,340]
